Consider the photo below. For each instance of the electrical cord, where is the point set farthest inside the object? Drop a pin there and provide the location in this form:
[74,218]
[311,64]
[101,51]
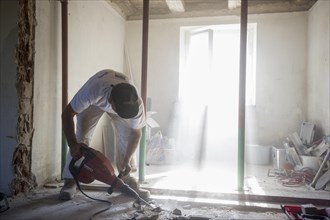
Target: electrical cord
[74,171]
[100,200]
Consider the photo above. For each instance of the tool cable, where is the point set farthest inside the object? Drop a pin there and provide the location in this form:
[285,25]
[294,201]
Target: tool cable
[96,199]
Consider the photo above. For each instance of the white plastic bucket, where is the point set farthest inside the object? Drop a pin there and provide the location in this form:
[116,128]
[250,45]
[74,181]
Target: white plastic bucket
[258,155]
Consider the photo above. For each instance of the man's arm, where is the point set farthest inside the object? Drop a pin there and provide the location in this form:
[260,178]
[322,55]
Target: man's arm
[68,128]
[133,143]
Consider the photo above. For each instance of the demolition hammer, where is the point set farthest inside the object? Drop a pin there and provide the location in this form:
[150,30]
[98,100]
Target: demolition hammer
[95,166]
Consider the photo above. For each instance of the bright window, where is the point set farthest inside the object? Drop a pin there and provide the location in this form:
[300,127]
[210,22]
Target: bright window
[211,56]
[209,88]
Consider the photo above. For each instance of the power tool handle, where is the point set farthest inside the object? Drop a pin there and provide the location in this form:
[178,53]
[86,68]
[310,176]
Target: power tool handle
[83,148]
[120,175]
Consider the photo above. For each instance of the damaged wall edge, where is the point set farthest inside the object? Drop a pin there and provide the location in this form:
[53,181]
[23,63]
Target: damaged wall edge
[24,179]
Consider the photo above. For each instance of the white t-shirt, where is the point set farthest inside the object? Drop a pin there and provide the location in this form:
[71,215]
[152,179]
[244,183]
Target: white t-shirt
[96,91]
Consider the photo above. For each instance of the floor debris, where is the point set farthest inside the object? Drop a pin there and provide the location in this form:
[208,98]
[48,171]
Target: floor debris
[303,159]
[45,205]
[177,212]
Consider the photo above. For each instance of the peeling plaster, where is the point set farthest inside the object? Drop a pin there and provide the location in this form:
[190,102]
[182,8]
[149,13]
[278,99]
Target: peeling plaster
[24,179]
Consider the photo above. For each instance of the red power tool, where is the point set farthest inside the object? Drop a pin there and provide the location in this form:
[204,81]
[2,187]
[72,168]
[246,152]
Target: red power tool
[95,166]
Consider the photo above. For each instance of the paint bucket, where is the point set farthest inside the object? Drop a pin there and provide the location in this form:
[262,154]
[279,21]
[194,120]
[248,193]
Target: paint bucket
[258,155]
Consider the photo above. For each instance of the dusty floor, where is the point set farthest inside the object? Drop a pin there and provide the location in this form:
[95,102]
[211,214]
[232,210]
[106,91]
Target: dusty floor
[44,204]
[181,193]
[214,181]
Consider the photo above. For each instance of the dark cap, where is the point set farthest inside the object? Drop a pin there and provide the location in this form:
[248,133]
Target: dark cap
[125,98]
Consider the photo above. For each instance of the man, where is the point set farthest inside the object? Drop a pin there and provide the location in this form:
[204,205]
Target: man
[112,93]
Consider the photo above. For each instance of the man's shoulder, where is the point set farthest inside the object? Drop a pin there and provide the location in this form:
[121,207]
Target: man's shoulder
[111,75]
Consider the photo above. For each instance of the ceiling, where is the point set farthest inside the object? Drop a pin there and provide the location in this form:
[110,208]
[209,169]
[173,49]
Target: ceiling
[159,9]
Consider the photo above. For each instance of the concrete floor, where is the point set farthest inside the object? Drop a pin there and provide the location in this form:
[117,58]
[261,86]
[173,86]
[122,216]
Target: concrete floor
[222,182]
[197,194]
[44,204]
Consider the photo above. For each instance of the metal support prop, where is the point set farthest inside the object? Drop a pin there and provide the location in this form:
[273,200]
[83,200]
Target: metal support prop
[242,81]
[64,15]
[142,155]
[145,31]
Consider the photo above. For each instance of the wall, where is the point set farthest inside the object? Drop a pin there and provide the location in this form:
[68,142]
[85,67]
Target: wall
[318,83]
[162,66]
[46,147]
[95,41]
[281,70]
[281,78]
[8,95]
[96,36]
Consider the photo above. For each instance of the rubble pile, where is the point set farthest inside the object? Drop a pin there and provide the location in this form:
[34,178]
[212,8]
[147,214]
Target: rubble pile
[306,162]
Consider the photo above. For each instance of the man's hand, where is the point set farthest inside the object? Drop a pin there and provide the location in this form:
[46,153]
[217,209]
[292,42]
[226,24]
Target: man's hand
[133,142]
[75,151]
[127,168]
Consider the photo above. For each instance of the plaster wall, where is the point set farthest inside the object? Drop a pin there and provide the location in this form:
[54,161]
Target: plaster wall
[95,42]
[8,96]
[281,78]
[281,70]
[46,146]
[318,81]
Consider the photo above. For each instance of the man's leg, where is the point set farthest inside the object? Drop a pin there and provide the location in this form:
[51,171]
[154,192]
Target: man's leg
[86,122]
[122,133]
